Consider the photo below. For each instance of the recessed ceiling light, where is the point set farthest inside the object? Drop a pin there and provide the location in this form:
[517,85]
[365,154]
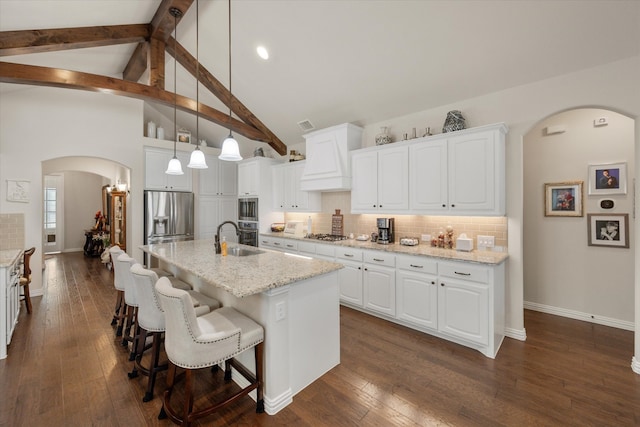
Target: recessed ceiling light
[262,52]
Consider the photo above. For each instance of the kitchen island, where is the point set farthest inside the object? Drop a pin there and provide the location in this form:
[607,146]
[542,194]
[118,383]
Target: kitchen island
[294,298]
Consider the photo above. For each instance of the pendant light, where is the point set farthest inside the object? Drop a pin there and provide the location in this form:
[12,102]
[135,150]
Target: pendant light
[175,168]
[197,160]
[230,149]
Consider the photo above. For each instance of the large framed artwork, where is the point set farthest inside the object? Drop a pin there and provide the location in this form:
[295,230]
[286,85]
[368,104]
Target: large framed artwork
[563,198]
[608,230]
[608,178]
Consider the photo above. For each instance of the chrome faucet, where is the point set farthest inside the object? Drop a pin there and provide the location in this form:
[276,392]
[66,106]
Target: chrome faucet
[217,242]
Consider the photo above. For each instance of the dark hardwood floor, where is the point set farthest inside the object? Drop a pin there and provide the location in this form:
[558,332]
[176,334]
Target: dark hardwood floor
[66,368]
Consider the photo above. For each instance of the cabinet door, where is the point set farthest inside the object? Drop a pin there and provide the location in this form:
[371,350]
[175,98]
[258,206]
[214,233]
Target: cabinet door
[208,220]
[380,289]
[350,280]
[227,178]
[208,179]
[248,179]
[290,189]
[472,172]
[228,211]
[155,163]
[364,182]
[463,310]
[393,179]
[181,182]
[417,298]
[428,176]
[277,188]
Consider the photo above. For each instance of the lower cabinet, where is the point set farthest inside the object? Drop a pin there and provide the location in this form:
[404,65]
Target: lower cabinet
[379,282]
[350,277]
[464,310]
[417,292]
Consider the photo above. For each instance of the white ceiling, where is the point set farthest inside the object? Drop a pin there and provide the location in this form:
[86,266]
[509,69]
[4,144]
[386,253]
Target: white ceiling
[352,60]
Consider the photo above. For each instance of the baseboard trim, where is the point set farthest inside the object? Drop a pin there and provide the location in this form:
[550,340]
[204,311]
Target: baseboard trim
[578,315]
[635,365]
[516,334]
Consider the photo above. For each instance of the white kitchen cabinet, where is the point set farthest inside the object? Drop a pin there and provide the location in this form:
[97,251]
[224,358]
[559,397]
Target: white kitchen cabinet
[417,291]
[464,310]
[219,179]
[380,181]
[156,161]
[461,173]
[287,195]
[350,277]
[10,299]
[379,282]
[213,211]
[248,175]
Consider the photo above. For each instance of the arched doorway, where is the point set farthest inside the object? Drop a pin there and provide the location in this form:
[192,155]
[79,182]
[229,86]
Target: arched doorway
[564,274]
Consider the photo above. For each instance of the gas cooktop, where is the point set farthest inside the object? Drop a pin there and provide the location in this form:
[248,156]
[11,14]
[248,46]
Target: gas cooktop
[326,237]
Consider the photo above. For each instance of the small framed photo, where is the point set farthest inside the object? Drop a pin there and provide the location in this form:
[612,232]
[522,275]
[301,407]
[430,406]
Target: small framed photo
[184,136]
[608,178]
[608,230]
[563,198]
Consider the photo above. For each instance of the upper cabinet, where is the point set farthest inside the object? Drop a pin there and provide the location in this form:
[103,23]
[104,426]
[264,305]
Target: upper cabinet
[327,166]
[254,177]
[155,164]
[380,180]
[219,179]
[458,173]
[287,195]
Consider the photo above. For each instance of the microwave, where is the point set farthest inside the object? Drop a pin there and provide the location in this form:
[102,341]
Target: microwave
[248,209]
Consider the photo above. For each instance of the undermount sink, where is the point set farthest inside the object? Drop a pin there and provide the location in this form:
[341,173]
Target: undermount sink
[244,252]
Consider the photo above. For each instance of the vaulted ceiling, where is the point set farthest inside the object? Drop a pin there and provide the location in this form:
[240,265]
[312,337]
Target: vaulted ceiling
[345,61]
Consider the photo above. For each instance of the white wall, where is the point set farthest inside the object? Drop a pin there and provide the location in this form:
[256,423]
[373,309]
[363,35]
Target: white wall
[83,197]
[614,86]
[562,274]
[39,124]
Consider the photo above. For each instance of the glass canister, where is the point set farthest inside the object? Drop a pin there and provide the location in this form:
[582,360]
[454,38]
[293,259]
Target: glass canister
[383,137]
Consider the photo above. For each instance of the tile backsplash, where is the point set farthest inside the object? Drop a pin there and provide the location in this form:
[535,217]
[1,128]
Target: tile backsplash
[11,231]
[406,225]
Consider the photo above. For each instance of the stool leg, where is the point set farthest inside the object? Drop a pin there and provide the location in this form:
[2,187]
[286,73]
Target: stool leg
[227,370]
[123,315]
[259,353]
[27,298]
[116,315]
[188,398]
[153,369]
[166,402]
[142,336]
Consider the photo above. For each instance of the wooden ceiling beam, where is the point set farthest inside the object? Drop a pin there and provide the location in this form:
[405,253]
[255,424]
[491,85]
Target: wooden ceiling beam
[53,77]
[162,25]
[209,81]
[137,64]
[56,39]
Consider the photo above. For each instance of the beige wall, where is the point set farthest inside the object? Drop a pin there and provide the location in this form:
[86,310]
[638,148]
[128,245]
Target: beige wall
[562,274]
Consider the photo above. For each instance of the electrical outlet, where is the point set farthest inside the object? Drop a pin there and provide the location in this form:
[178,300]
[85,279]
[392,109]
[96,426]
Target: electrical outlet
[485,242]
[281,310]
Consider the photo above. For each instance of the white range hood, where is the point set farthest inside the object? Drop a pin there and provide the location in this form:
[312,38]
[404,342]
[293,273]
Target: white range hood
[328,167]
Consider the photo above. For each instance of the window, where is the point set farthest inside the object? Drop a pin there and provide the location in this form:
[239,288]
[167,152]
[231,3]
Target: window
[50,199]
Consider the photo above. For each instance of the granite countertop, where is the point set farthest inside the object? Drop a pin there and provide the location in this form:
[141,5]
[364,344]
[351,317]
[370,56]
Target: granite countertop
[239,275]
[481,257]
[8,256]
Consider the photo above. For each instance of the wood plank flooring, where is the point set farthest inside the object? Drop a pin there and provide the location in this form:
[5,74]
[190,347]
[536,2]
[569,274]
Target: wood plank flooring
[66,368]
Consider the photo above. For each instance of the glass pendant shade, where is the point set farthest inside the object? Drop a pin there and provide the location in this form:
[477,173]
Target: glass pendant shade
[230,150]
[174,168]
[197,160]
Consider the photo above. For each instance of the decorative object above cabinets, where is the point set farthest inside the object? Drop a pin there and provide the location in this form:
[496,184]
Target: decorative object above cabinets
[287,195]
[328,167]
[460,173]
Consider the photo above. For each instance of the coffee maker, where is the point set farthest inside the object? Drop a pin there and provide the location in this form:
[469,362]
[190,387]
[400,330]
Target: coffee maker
[385,230]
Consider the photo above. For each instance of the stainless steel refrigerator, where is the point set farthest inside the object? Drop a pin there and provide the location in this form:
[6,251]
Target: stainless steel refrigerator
[168,216]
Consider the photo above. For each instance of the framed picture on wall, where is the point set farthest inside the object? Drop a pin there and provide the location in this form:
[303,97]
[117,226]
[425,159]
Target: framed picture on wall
[608,230]
[563,198]
[184,136]
[608,178]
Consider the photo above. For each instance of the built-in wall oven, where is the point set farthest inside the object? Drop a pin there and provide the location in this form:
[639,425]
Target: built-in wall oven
[248,209]
[248,233]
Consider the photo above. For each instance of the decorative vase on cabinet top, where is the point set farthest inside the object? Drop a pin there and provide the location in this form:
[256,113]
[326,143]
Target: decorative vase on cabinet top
[383,137]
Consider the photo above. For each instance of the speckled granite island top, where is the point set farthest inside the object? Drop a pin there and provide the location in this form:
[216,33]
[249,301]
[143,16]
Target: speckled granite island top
[8,256]
[481,257]
[239,275]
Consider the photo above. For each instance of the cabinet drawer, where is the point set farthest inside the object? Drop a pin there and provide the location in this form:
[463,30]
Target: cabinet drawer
[464,271]
[307,247]
[380,258]
[326,250]
[417,264]
[289,245]
[266,241]
[349,253]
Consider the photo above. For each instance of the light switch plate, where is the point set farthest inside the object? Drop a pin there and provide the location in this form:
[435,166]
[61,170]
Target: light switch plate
[485,242]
